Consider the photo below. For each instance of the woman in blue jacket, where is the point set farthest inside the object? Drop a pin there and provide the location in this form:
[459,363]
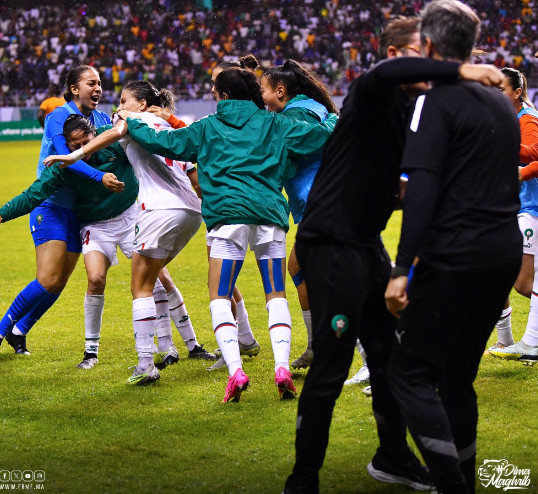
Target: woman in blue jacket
[54,225]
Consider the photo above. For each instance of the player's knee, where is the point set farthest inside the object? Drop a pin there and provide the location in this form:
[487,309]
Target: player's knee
[96,284]
[52,282]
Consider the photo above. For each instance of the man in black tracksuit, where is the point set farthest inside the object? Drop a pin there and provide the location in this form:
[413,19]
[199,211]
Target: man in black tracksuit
[345,265]
[460,219]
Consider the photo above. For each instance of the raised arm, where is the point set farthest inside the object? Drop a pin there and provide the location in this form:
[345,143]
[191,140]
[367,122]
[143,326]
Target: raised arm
[181,144]
[306,138]
[408,70]
[50,180]
[101,141]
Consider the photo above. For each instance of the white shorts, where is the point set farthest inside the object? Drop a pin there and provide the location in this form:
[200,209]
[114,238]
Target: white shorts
[106,236]
[162,233]
[232,241]
[528,224]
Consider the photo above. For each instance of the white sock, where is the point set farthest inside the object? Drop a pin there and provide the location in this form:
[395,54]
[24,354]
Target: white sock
[93,318]
[144,321]
[504,327]
[362,352]
[244,330]
[163,328]
[531,331]
[17,331]
[226,333]
[178,314]
[307,318]
[280,331]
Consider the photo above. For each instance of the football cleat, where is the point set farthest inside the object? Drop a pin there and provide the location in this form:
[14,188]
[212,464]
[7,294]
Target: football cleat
[518,351]
[361,377]
[89,360]
[367,391]
[304,361]
[284,383]
[217,365]
[18,342]
[236,385]
[141,377]
[200,353]
[245,350]
[496,346]
[164,359]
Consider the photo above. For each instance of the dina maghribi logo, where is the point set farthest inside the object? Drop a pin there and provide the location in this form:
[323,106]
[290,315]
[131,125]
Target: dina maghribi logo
[504,475]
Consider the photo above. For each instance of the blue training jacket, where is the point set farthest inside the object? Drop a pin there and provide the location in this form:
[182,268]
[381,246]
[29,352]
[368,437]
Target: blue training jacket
[298,187]
[528,193]
[54,122]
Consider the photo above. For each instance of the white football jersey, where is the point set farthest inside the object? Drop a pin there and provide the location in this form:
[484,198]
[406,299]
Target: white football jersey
[163,183]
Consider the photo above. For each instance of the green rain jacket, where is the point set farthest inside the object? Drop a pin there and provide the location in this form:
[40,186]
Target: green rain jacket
[241,152]
[94,202]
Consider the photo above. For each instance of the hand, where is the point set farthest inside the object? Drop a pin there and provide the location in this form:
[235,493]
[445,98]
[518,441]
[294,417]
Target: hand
[63,159]
[160,112]
[396,295]
[520,178]
[111,182]
[0,218]
[488,75]
[124,114]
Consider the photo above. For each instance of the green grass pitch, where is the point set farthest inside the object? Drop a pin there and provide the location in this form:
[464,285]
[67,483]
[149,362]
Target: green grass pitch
[88,431]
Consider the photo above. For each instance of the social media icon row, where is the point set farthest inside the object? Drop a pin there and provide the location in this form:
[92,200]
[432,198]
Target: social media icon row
[22,476]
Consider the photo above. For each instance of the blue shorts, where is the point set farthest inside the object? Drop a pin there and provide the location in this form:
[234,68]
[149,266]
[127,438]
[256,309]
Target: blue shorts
[51,222]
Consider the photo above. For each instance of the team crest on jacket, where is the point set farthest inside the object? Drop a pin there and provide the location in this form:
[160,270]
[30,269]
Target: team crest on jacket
[39,219]
[340,324]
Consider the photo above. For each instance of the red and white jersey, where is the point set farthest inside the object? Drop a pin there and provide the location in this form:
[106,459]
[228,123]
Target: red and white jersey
[163,183]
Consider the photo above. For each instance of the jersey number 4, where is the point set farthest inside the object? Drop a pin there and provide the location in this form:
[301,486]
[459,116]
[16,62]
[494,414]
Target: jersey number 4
[86,238]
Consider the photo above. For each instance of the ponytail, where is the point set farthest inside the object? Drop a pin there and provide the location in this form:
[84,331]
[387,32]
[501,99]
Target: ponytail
[240,84]
[298,80]
[145,90]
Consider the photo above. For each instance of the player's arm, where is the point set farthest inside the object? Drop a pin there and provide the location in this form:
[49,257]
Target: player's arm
[528,172]
[101,141]
[304,138]
[528,150]
[49,182]
[427,142]
[409,70]
[78,166]
[192,173]
[180,144]
[174,122]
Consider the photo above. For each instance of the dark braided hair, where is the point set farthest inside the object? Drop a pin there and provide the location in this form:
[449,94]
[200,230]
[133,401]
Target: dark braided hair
[298,80]
[240,84]
[73,76]
[145,90]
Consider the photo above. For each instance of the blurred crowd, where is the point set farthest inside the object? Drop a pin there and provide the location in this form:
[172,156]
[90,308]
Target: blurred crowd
[176,44]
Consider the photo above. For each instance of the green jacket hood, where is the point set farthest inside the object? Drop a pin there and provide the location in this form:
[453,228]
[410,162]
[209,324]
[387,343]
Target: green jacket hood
[235,113]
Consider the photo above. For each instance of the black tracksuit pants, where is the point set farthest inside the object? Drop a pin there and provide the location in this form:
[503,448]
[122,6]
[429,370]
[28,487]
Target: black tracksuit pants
[440,340]
[349,281]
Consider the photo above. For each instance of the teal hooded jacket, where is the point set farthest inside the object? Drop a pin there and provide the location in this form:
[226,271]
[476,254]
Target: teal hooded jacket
[242,156]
